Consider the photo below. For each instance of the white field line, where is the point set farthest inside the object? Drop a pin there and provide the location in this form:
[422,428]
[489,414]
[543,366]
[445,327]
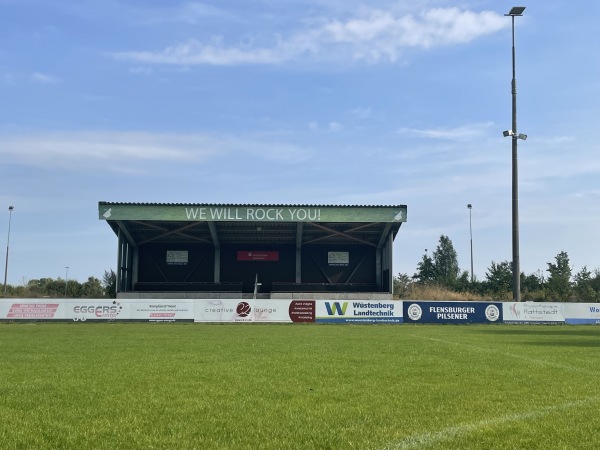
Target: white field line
[542,362]
[432,438]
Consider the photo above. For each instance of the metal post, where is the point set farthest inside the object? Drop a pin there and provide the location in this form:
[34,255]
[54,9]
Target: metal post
[66,280]
[516,268]
[471,235]
[10,210]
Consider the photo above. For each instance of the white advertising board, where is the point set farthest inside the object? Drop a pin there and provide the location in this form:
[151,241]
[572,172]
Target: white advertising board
[582,313]
[32,309]
[237,310]
[84,310]
[532,312]
[162,310]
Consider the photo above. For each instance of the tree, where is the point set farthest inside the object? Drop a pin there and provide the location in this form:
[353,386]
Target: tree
[584,290]
[425,270]
[559,282]
[109,283]
[445,261]
[402,285]
[92,288]
[499,279]
[532,286]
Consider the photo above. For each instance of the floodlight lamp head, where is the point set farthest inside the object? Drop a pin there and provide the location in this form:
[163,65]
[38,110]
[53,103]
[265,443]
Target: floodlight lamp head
[10,208]
[507,133]
[516,11]
[522,136]
[469,206]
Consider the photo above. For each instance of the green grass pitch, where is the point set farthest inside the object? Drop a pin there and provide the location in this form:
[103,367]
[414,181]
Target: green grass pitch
[240,386]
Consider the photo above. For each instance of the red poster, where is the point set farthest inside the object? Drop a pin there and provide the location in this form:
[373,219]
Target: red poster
[257,256]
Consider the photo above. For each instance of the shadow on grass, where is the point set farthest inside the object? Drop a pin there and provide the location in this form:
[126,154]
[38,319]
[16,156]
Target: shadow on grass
[570,337]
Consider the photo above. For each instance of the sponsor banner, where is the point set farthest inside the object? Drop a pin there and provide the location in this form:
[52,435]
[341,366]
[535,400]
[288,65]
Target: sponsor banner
[338,258]
[177,257]
[582,313]
[163,310]
[257,255]
[96,310]
[247,213]
[237,310]
[533,312]
[31,309]
[452,312]
[358,311]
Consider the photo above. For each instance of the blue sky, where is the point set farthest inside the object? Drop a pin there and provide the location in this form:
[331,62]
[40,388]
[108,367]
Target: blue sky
[299,102]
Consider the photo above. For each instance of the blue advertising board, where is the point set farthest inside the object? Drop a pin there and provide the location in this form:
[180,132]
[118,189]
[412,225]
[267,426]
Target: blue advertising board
[452,312]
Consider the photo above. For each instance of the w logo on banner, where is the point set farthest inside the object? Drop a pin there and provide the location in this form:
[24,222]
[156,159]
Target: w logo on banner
[335,307]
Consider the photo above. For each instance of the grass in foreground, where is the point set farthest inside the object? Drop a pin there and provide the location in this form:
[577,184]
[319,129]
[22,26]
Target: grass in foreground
[246,386]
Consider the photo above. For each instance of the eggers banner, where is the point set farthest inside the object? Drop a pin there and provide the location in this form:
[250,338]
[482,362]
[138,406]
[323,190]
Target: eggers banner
[452,312]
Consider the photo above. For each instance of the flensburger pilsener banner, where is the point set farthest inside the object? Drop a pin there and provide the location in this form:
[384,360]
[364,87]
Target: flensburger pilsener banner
[452,312]
[358,311]
[532,312]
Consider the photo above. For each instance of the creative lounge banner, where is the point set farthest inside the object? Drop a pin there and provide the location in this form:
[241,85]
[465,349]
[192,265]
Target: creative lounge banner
[297,311]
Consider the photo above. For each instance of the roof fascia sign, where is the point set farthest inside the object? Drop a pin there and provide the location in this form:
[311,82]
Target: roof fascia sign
[251,213]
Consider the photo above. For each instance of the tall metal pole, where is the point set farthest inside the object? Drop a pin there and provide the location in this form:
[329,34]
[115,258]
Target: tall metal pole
[10,210]
[471,235]
[66,280]
[516,268]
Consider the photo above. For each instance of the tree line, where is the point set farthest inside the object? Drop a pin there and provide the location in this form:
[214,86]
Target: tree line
[558,283]
[59,288]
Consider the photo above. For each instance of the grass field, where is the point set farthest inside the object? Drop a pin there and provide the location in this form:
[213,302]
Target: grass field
[205,386]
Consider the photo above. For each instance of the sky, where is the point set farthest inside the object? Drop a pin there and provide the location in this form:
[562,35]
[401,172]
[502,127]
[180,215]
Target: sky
[341,102]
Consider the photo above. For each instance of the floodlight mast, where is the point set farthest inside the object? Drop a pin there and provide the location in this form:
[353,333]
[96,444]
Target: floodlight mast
[515,11]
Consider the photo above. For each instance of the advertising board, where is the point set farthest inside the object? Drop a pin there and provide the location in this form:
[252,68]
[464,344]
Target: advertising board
[452,312]
[358,311]
[237,310]
[582,313]
[32,309]
[95,310]
[179,310]
[533,312]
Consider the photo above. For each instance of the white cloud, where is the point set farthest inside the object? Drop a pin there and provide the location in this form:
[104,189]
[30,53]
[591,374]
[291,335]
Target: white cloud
[335,126]
[462,133]
[43,78]
[375,36]
[115,150]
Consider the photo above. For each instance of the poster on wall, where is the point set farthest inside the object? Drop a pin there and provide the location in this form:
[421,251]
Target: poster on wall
[338,258]
[177,257]
[358,311]
[452,312]
[245,255]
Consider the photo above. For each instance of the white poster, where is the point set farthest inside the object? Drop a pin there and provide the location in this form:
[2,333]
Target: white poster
[177,257]
[338,258]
